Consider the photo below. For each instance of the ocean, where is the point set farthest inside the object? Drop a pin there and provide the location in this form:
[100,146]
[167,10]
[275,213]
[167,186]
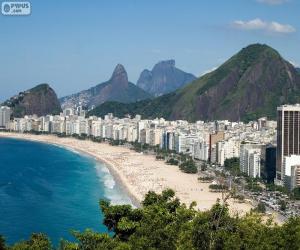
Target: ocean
[49,189]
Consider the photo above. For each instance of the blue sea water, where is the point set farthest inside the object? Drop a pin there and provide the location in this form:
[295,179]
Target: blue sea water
[49,189]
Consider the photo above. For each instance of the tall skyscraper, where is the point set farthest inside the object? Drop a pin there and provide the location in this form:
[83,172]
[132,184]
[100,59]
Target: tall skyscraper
[288,136]
[5,113]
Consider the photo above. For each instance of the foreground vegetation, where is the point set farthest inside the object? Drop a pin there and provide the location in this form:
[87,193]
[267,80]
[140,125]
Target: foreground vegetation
[164,223]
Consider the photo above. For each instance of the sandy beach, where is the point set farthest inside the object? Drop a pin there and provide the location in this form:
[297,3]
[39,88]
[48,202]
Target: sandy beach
[139,173]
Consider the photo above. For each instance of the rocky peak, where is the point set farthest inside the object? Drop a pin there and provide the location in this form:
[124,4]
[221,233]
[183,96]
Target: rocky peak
[119,76]
[40,100]
[162,65]
[164,78]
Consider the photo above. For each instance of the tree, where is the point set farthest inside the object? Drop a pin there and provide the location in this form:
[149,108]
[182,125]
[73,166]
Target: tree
[206,179]
[172,161]
[260,208]
[282,205]
[232,165]
[296,193]
[164,223]
[2,243]
[37,241]
[188,167]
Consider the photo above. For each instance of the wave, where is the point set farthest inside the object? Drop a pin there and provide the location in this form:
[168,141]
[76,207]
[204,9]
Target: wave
[106,177]
[112,191]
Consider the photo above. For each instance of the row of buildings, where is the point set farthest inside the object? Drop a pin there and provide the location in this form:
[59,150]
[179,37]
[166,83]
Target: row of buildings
[254,142]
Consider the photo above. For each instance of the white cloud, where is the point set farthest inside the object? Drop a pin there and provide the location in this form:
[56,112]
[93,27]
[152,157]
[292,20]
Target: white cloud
[258,24]
[272,2]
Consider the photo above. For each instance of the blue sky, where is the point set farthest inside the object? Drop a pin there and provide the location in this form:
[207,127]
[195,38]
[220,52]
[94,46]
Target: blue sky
[73,45]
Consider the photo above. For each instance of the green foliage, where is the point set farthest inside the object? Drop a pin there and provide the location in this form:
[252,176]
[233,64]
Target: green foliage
[273,187]
[92,240]
[163,223]
[253,185]
[282,204]
[116,142]
[172,161]
[296,193]
[189,167]
[205,179]
[260,208]
[36,242]
[239,197]
[157,107]
[2,243]
[233,165]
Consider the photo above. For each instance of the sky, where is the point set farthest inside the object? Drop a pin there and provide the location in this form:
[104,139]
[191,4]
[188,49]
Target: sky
[73,45]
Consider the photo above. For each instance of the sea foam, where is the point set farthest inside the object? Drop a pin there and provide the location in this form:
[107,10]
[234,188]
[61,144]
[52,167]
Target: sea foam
[113,192]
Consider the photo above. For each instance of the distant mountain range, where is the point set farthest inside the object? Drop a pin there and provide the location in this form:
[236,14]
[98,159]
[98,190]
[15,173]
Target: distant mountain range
[40,100]
[249,85]
[163,78]
[117,88]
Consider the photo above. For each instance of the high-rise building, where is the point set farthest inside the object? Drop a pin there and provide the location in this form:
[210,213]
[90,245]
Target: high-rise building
[269,162]
[5,113]
[288,136]
[213,140]
[250,157]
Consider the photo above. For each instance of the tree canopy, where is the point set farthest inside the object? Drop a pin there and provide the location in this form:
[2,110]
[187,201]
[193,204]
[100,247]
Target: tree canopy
[163,222]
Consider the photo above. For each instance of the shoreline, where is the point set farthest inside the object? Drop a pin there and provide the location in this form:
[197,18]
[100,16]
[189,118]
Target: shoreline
[116,176]
[137,173]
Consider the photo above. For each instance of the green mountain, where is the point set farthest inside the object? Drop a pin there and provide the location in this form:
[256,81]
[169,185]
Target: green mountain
[249,85]
[40,100]
[117,88]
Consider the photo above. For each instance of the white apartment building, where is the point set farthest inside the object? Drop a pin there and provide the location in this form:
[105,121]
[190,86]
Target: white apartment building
[201,149]
[5,113]
[250,157]
[291,168]
[227,149]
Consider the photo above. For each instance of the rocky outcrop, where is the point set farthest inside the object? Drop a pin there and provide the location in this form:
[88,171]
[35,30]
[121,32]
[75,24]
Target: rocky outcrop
[163,78]
[117,88]
[40,100]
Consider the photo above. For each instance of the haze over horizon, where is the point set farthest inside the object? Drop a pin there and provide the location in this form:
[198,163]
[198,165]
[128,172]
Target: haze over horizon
[75,46]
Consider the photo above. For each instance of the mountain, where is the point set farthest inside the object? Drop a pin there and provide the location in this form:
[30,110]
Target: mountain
[40,100]
[298,70]
[249,85]
[117,88]
[163,78]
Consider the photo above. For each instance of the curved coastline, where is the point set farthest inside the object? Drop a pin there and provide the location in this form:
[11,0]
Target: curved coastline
[111,168]
[138,173]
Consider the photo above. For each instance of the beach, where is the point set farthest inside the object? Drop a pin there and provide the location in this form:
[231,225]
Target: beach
[139,173]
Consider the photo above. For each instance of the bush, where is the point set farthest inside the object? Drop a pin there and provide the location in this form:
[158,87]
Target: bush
[260,208]
[188,167]
[172,161]
[205,179]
